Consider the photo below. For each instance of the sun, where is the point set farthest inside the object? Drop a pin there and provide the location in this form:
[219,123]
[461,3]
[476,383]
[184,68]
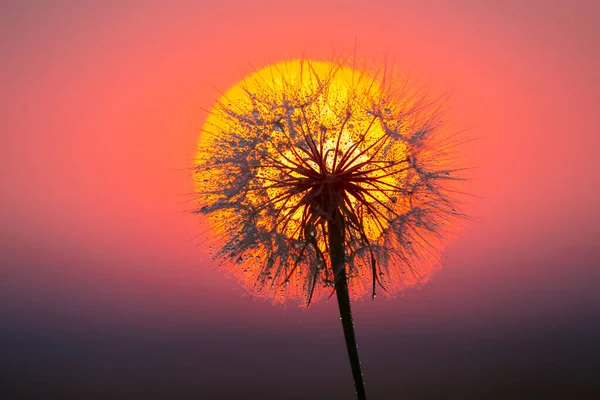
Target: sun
[299,141]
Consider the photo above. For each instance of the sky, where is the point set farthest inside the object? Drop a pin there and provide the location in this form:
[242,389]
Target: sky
[105,291]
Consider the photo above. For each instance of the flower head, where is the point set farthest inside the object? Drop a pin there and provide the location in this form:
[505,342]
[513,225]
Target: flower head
[299,144]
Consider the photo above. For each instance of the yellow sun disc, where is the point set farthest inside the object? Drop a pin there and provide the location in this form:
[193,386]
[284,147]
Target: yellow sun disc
[273,147]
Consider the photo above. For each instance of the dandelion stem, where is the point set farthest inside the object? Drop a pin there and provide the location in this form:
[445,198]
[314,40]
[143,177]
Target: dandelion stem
[336,228]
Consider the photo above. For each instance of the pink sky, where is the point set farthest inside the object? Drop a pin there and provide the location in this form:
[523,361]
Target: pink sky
[101,110]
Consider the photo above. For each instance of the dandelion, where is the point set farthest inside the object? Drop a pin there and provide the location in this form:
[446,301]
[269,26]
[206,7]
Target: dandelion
[320,178]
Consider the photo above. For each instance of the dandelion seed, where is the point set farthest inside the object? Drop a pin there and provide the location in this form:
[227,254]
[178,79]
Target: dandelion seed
[331,194]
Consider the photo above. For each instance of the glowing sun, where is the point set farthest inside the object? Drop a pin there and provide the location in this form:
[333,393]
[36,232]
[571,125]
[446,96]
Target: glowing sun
[299,144]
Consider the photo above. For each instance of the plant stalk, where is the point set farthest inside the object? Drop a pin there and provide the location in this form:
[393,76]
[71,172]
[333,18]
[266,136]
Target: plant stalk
[336,230]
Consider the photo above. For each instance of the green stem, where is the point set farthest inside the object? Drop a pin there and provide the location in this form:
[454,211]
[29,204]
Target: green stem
[336,251]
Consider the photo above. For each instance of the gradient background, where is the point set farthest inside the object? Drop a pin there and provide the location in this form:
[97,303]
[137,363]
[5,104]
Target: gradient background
[103,296]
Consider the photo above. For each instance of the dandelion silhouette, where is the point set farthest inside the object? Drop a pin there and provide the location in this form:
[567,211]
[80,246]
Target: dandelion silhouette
[318,178]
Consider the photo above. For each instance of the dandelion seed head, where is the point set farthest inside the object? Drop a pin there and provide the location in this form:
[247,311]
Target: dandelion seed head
[297,141]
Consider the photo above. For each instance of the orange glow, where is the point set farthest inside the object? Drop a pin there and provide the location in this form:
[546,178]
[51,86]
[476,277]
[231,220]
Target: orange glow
[255,145]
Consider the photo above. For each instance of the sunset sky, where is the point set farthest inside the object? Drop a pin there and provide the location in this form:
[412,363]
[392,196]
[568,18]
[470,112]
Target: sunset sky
[106,293]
